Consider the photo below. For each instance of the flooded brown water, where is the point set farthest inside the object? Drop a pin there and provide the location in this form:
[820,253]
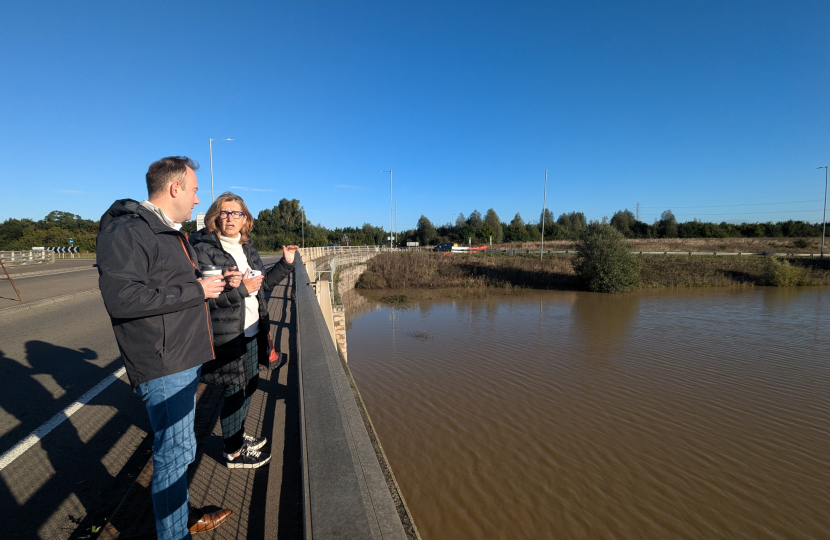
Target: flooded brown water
[654,415]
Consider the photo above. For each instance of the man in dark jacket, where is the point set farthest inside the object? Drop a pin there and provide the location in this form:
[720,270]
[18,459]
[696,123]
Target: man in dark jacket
[156,300]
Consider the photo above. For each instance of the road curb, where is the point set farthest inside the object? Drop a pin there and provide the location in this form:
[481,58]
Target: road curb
[47,301]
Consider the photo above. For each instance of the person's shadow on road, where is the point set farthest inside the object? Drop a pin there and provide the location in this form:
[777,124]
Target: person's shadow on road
[60,483]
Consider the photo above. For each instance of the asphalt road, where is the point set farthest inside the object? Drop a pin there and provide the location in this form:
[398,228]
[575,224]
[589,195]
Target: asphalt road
[64,278]
[50,355]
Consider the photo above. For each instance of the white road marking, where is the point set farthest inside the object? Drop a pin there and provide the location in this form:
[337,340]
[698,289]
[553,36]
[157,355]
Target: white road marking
[38,434]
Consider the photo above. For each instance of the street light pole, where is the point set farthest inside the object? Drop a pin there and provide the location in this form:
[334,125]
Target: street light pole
[544,205]
[210,147]
[303,228]
[824,218]
[391,223]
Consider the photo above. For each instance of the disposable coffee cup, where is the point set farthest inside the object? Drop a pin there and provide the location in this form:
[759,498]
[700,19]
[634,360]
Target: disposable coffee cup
[208,271]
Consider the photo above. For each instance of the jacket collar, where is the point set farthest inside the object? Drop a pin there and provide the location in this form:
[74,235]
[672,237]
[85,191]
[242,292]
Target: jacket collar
[130,207]
[160,213]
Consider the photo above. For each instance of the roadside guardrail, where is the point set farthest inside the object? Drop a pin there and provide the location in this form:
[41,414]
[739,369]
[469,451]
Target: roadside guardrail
[40,256]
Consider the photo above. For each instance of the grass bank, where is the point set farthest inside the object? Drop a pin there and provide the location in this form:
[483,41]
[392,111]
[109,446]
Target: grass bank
[734,245]
[400,271]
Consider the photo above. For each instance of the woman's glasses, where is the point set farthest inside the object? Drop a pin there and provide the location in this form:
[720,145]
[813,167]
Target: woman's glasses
[224,214]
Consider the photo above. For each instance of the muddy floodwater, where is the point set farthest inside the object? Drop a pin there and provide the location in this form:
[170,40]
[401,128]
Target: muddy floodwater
[664,414]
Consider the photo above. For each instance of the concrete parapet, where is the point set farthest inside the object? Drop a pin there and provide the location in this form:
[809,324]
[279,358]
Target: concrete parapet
[345,490]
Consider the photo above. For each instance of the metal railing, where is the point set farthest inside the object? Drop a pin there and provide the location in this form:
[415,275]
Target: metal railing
[312,253]
[678,253]
[349,259]
[27,257]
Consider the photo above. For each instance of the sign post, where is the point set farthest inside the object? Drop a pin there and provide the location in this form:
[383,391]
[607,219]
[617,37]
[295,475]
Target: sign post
[10,280]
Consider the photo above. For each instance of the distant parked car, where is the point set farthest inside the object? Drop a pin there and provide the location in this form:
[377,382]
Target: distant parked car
[331,245]
[444,247]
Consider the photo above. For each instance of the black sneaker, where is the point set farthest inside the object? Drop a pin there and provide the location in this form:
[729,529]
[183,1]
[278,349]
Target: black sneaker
[254,443]
[247,459]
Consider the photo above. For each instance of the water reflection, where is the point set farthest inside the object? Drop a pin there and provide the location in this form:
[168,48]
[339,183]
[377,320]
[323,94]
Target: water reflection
[602,324]
[659,414]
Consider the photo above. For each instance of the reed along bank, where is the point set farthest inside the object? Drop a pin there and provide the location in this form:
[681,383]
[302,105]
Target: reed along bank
[401,271]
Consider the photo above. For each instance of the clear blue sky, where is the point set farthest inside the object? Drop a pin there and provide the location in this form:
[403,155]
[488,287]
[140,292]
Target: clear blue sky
[719,110]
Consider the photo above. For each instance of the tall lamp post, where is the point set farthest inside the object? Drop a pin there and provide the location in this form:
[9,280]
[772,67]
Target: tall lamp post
[391,223]
[303,228]
[210,147]
[544,203]
[824,218]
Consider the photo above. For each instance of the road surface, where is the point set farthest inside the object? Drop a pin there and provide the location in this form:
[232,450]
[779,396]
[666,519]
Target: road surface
[51,355]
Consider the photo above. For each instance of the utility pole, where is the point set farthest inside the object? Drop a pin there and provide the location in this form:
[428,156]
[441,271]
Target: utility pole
[638,211]
[391,221]
[210,149]
[544,205]
[824,218]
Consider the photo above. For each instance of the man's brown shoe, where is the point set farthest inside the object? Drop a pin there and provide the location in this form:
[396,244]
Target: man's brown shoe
[199,522]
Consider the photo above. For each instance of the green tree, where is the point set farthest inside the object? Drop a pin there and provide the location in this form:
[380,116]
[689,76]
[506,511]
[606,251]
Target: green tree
[550,225]
[534,233]
[572,223]
[426,232]
[516,231]
[667,226]
[487,233]
[604,262]
[492,219]
[624,221]
[475,220]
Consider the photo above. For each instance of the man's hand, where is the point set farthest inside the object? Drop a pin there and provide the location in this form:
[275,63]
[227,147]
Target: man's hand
[288,253]
[212,286]
[252,283]
[233,278]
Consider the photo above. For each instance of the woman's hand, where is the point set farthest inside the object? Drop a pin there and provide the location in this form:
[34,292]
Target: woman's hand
[251,283]
[288,253]
[233,278]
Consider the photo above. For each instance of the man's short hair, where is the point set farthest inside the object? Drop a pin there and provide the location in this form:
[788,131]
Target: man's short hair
[166,171]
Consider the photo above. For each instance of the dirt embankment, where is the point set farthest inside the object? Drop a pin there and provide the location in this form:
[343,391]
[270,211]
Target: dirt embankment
[401,271]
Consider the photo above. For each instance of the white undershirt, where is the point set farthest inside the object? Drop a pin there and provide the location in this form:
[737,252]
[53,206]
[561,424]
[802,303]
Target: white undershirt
[232,246]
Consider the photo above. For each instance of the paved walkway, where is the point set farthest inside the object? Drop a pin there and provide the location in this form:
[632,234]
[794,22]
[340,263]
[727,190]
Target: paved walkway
[266,502]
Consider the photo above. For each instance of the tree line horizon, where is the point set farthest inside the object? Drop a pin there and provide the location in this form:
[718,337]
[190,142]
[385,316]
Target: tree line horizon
[285,224]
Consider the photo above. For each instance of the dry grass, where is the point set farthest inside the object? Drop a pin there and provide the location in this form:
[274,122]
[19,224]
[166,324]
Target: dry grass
[434,271]
[733,245]
[679,271]
[402,271]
